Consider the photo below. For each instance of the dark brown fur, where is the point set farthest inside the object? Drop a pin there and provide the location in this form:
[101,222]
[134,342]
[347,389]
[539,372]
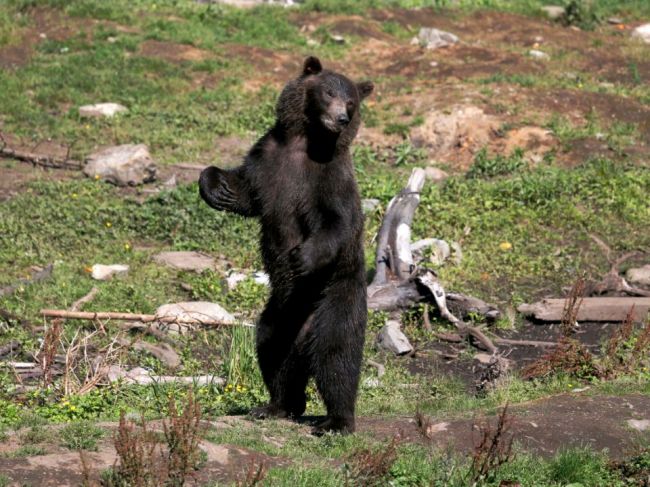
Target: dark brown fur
[298,179]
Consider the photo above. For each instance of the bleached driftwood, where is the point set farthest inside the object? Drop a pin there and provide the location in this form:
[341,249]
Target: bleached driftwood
[143,318]
[399,284]
[613,309]
[394,238]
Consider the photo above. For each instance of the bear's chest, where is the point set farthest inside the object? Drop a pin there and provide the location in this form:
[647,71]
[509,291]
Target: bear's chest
[299,195]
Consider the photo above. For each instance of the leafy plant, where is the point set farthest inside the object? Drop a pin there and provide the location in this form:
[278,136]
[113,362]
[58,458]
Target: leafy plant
[81,435]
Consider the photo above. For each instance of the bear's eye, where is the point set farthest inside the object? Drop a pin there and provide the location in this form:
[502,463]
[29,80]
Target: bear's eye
[350,106]
[329,93]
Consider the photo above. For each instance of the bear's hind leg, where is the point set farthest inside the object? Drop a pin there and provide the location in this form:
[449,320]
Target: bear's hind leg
[336,353]
[284,371]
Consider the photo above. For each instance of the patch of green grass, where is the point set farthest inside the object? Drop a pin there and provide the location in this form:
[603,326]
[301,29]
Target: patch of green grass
[26,451]
[579,465]
[486,167]
[81,435]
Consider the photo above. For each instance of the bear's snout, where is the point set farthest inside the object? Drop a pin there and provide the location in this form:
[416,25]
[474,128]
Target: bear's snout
[343,119]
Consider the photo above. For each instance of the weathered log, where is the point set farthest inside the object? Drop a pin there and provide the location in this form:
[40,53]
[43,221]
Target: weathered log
[394,238]
[144,318]
[430,281]
[394,296]
[43,160]
[614,309]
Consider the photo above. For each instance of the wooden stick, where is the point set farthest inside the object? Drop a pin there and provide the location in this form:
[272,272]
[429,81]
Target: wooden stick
[38,159]
[144,318]
[523,343]
[85,299]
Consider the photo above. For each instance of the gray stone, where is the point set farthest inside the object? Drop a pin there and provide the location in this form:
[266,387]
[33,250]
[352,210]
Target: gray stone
[392,339]
[101,110]
[262,278]
[192,310]
[185,261]
[101,272]
[432,38]
[615,20]
[369,204]
[553,12]
[642,32]
[123,165]
[536,54]
[639,424]
[435,174]
[639,275]
[235,278]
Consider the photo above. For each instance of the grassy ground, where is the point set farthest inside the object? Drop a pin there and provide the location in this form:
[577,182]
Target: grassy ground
[196,76]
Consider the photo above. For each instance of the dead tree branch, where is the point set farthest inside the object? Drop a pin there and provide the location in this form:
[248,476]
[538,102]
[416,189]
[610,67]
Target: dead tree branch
[144,318]
[85,299]
[43,160]
[394,239]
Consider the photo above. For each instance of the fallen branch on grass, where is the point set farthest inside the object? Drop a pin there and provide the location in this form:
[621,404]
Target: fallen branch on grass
[35,159]
[430,281]
[143,318]
[85,299]
[612,282]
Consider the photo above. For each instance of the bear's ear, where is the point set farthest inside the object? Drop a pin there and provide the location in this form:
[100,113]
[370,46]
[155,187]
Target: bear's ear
[365,88]
[312,66]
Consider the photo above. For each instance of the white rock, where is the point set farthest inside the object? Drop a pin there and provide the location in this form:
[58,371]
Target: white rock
[639,275]
[639,424]
[642,32]
[534,53]
[185,260]
[262,278]
[103,272]
[234,278]
[392,339]
[435,174]
[123,165]
[369,204]
[371,383]
[192,310]
[553,12]
[101,110]
[432,38]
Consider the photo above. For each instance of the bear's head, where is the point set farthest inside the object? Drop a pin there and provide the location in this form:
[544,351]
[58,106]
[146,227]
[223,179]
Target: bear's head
[322,99]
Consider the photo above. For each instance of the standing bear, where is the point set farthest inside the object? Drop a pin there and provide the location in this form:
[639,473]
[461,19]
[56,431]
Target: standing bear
[298,179]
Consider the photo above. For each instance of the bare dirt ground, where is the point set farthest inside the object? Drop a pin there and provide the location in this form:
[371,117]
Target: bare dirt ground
[542,427]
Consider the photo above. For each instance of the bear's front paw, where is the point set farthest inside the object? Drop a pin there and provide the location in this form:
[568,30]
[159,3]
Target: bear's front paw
[214,189]
[299,261]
